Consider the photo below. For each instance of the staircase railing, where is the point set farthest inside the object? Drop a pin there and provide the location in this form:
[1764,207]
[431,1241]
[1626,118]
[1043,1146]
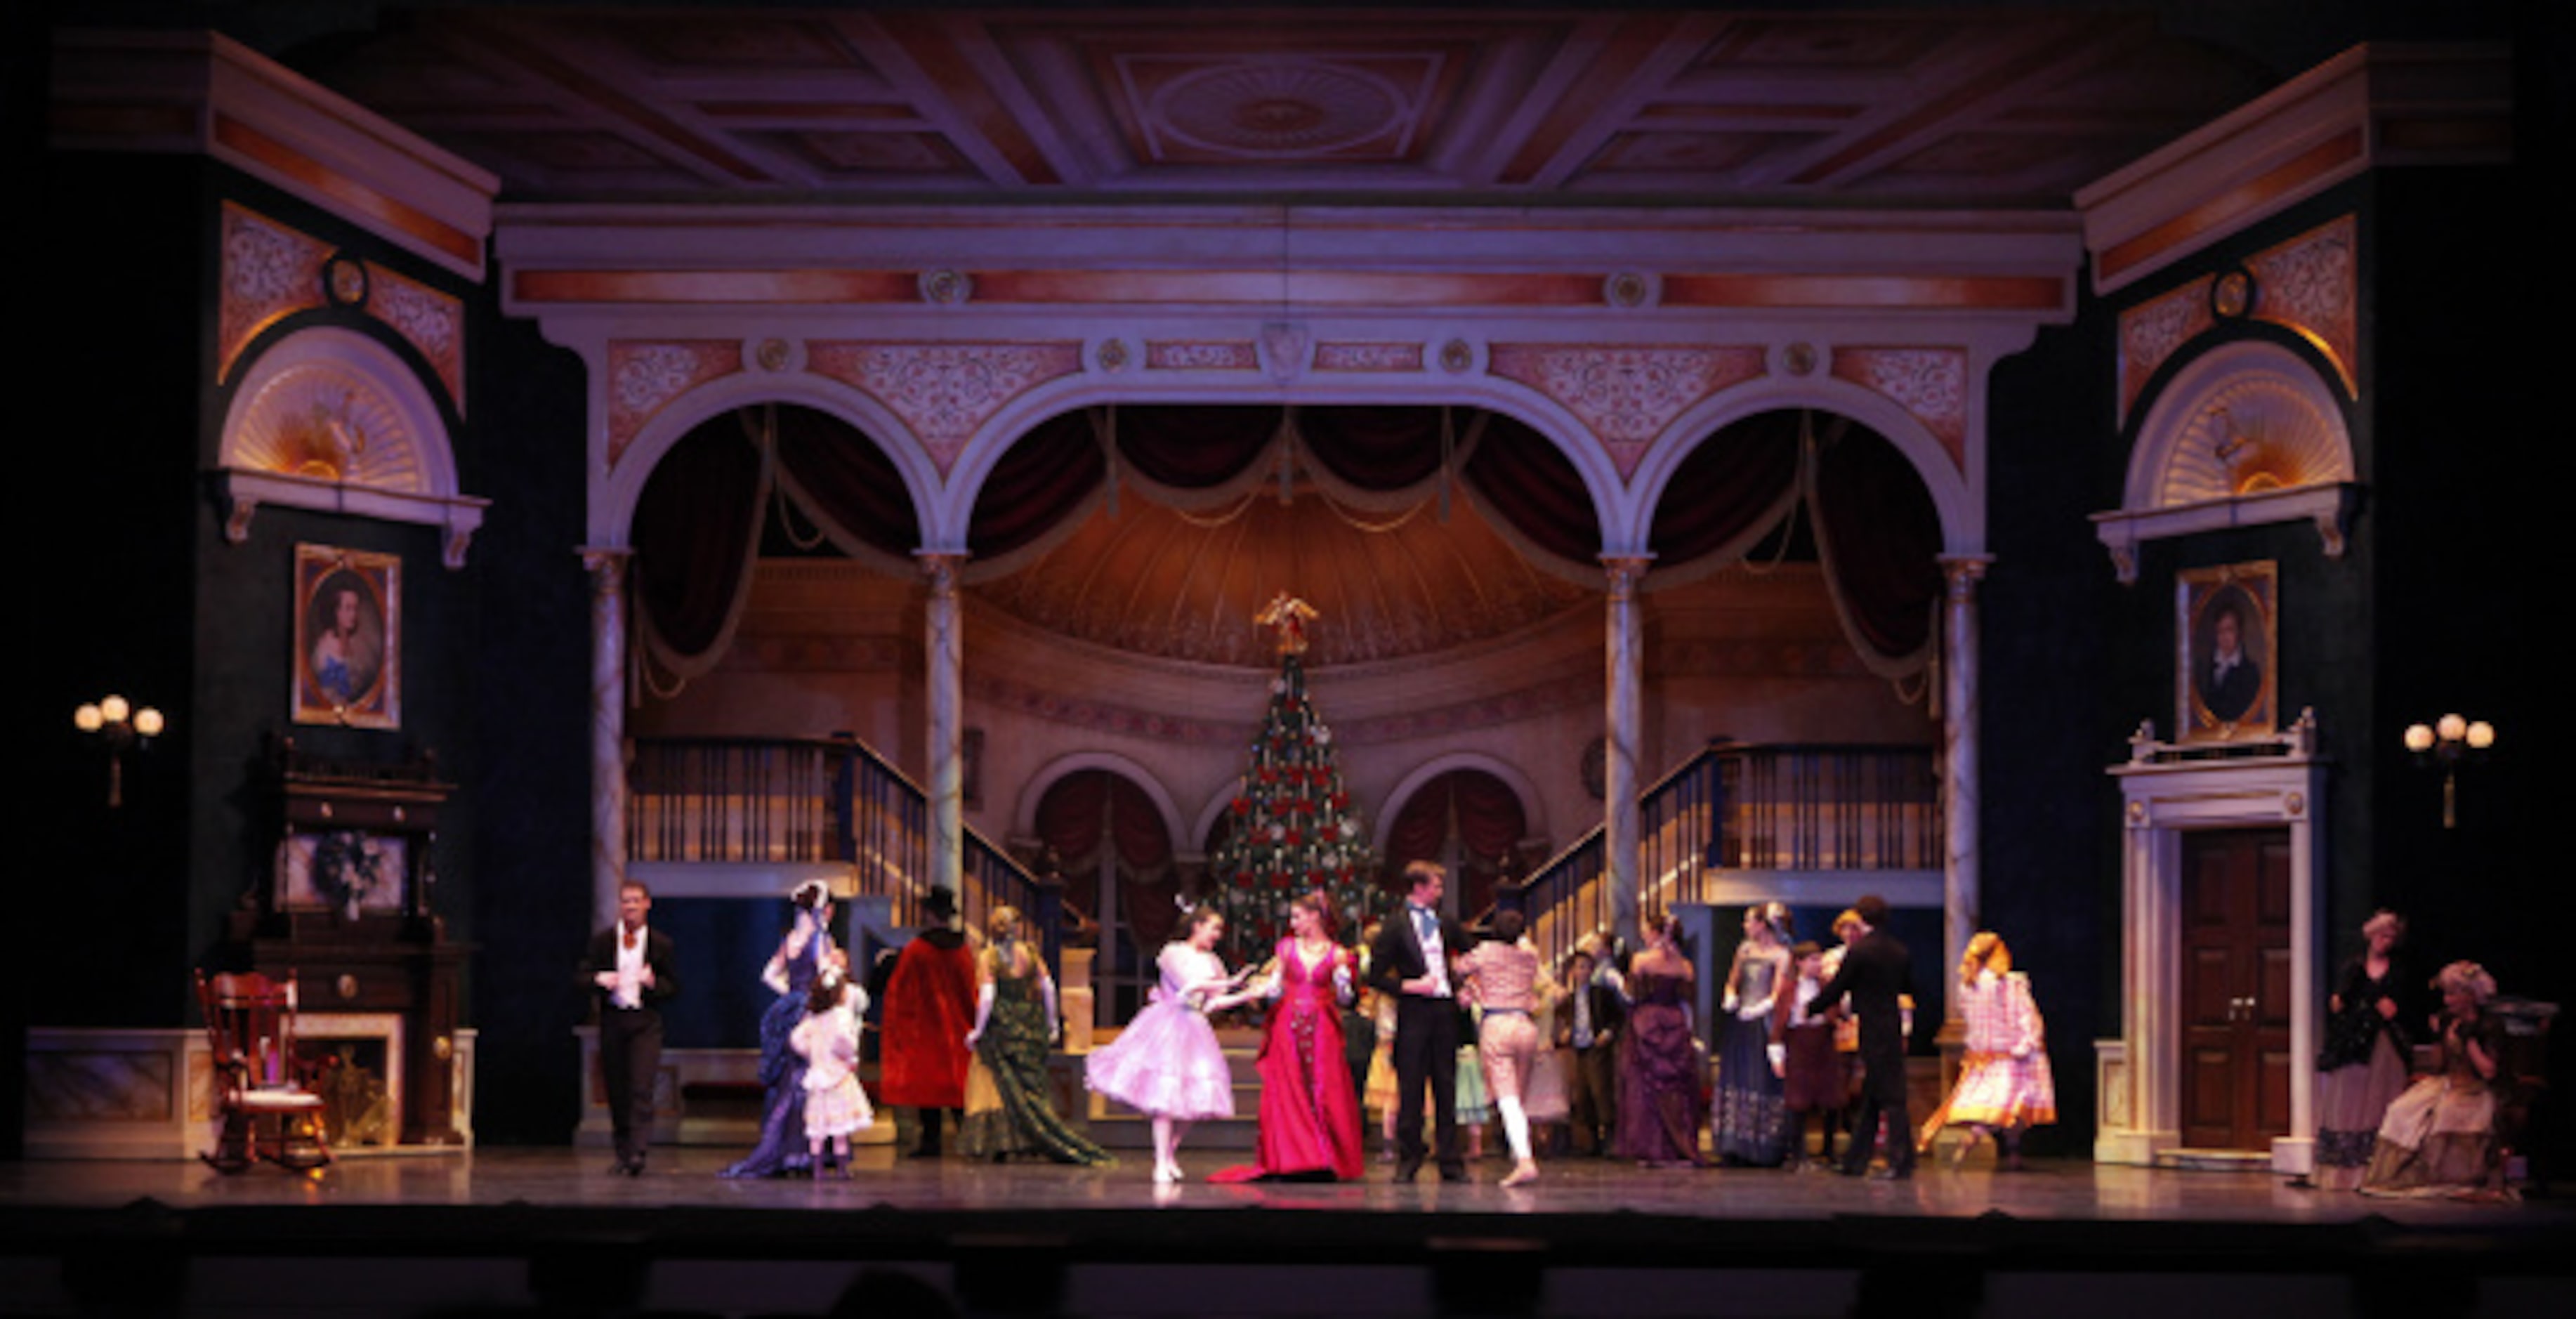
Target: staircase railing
[746,801]
[1734,807]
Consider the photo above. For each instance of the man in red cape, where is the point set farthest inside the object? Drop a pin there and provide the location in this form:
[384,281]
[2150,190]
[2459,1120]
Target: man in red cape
[929,1007]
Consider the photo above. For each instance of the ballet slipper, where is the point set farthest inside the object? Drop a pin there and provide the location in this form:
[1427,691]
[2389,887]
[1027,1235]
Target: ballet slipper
[1526,1171]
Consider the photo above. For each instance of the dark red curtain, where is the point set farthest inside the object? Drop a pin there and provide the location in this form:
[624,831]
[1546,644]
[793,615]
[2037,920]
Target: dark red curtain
[1041,481]
[1489,820]
[1191,448]
[1882,542]
[847,481]
[1529,483]
[1084,811]
[1374,448]
[1728,486]
[695,524]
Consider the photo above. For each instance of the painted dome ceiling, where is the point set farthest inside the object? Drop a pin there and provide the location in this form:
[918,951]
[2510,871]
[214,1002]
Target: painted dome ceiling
[1185,585]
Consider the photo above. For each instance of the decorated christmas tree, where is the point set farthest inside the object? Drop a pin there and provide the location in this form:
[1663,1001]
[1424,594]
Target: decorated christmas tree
[1294,829]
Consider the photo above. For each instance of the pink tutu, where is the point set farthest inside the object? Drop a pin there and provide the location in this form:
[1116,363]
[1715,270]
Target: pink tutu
[1166,1063]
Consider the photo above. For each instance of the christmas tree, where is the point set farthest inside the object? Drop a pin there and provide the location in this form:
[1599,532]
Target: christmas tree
[1293,827]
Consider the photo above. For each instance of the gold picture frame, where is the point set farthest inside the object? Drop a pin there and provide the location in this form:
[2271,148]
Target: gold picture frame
[2226,665]
[348,638]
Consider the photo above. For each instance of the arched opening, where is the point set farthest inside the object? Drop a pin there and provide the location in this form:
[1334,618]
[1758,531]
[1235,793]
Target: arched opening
[1102,834]
[763,481]
[1469,821]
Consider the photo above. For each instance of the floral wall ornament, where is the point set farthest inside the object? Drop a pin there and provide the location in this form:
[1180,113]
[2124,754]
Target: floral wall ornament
[1628,288]
[947,288]
[1284,350]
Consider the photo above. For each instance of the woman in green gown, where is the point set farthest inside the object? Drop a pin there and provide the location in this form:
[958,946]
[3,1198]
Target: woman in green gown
[1007,1112]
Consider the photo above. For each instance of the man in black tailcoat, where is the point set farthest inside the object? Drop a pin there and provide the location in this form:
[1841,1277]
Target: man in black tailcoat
[1410,961]
[1876,972]
[630,974]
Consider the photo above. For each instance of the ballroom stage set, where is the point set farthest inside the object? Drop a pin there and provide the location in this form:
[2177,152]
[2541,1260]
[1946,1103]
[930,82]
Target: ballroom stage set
[2067,470]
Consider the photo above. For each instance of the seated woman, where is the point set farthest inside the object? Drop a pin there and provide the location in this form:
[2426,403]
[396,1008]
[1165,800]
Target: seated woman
[2439,1137]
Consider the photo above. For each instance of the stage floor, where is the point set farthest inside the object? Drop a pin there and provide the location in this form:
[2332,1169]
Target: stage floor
[479,1233]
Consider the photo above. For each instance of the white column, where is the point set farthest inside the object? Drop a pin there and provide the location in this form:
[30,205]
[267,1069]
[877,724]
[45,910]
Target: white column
[1960,906]
[1624,721]
[607,570]
[943,641]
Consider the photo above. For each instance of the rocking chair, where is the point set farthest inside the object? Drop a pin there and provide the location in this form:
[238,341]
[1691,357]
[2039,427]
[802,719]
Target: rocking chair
[262,1109]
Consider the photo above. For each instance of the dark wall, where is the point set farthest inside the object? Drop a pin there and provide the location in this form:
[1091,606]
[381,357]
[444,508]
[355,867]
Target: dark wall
[2048,823]
[525,771]
[110,549]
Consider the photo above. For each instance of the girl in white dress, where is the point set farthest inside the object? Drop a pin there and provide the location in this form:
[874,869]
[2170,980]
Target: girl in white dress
[1167,1063]
[828,1040]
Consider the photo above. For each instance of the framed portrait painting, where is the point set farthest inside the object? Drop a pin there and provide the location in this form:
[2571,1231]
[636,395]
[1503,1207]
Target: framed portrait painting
[2226,669]
[348,638]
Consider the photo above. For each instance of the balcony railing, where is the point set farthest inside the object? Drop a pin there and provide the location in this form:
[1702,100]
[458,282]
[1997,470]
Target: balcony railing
[1735,808]
[829,802]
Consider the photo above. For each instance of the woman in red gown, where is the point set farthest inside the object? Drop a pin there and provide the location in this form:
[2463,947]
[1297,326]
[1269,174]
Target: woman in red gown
[1310,1115]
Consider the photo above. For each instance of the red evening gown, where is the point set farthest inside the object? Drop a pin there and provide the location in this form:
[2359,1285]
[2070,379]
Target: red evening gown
[1310,1115]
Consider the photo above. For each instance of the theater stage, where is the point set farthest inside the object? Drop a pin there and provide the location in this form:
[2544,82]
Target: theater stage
[526,1231]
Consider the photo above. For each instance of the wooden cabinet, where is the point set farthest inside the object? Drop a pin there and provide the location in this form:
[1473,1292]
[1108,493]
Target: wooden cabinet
[350,911]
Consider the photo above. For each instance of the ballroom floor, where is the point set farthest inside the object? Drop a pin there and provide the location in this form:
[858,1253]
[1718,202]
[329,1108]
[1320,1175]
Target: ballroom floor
[531,1231]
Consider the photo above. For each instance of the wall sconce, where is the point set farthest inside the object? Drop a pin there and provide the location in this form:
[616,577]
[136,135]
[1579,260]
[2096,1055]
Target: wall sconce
[2444,743]
[123,726]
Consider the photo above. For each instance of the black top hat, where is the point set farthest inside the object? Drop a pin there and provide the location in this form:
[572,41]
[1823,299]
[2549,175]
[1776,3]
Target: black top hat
[941,902]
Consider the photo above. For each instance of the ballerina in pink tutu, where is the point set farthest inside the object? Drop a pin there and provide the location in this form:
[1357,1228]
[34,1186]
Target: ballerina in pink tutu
[1167,1063]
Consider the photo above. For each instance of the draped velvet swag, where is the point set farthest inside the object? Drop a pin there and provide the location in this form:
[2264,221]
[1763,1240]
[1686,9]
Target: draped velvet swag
[1487,817]
[698,525]
[1086,813]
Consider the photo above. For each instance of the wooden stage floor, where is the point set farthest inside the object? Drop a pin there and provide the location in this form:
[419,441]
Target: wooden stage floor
[529,1231]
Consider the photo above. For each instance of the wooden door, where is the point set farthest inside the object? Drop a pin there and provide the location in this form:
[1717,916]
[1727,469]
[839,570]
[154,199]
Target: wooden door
[2235,991]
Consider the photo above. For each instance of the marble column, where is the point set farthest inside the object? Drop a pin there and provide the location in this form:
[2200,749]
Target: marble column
[943,641]
[1623,731]
[607,570]
[1960,902]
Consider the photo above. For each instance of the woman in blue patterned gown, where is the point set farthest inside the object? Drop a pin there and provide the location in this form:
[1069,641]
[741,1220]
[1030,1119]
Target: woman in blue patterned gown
[790,974]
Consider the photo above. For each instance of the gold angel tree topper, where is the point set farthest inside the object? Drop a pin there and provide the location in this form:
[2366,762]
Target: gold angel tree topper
[1288,614]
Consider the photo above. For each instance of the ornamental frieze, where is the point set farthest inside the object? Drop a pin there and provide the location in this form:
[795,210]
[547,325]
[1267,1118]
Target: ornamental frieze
[2154,330]
[643,379]
[2310,285]
[1202,355]
[1626,396]
[944,392]
[1368,357]
[269,272]
[1931,384]
[427,319]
